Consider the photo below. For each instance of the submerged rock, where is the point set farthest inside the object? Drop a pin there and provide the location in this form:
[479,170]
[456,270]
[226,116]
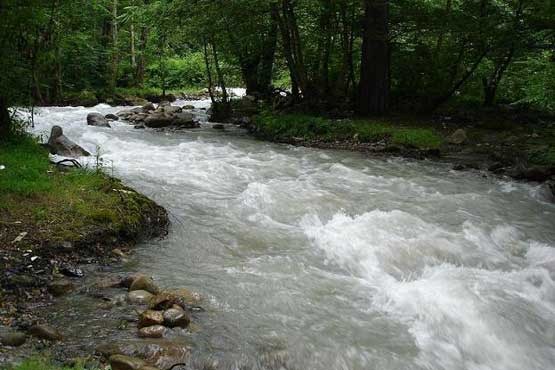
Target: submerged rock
[161,353]
[150,318]
[60,287]
[61,145]
[139,297]
[122,362]
[45,332]
[176,317]
[13,339]
[97,119]
[144,283]
[154,331]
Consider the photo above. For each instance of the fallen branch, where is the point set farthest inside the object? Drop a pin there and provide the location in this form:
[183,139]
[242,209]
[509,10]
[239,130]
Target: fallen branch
[63,162]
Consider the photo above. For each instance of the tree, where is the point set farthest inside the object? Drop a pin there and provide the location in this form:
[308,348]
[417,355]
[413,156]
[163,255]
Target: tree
[374,85]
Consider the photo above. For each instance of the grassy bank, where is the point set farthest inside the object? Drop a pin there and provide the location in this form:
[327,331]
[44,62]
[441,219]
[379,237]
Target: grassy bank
[42,364]
[299,127]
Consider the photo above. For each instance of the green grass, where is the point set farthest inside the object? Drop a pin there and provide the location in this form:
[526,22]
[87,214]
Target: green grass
[41,364]
[288,126]
[62,204]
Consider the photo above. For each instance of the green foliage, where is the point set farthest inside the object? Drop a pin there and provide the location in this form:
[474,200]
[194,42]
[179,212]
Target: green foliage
[186,71]
[291,126]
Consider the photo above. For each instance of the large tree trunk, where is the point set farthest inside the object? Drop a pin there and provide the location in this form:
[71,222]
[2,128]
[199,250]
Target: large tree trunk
[374,84]
[266,68]
[5,123]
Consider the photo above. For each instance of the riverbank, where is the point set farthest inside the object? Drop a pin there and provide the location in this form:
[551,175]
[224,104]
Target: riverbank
[53,221]
[522,151]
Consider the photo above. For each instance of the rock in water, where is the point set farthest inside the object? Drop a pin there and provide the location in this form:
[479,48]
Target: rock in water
[159,352]
[60,287]
[122,362]
[458,137]
[139,297]
[150,318]
[112,117]
[97,119]
[144,283]
[154,331]
[158,120]
[13,339]
[60,144]
[176,317]
[45,332]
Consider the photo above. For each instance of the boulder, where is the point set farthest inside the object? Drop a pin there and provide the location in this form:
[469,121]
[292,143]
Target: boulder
[122,362]
[150,318]
[169,109]
[160,353]
[13,339]
[184,119]
[61,145]
[139,297]
[97,119]
[534,173]
[111,117]
[176,317]
[45,332]
[61,287]
[158,120]
[180,297]
[149,107]
[458,137]
[189,107]
[144,283]
[154,331]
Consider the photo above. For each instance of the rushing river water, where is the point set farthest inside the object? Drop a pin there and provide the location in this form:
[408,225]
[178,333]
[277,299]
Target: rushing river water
[315,259]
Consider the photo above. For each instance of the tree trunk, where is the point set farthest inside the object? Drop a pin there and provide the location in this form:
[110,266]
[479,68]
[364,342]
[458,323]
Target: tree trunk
[115,52]
[5,122]
[374,84]
[141,60]
[266,69]
[220,75]
[208,73]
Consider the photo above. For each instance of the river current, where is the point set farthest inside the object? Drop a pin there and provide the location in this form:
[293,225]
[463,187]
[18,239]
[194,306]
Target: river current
[314,259]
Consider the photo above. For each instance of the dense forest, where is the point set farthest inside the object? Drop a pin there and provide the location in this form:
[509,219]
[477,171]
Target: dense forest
[368,56]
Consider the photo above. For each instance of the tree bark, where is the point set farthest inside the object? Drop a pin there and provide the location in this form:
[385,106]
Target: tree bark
[5,122]
[374,84]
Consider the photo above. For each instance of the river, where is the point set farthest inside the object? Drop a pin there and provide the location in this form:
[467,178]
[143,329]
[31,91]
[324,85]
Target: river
[314,259]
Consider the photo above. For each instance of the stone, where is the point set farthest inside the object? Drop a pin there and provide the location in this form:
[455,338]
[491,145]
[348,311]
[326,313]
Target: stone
[59,288]
[154,331]
[13,339]
[111,117]
[158,120]
[61,145]
[176,317]
[139,297]
[161,353]
[149,107]
[184,119]
[534,173]
[140,126]
[144,283]
[218,126]
[45,332]
[122,362]
[188,107]
[170,109]
[181,297]
[150,318]
[97,119]
[71,271]
[458,137]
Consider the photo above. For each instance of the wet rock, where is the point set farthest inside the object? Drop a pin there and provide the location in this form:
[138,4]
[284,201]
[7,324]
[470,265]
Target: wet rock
[122,362]
[184,119]
[160,353]
[13,339]
[188,107]
[140,126]
[181,297]
[118,252]
[150,318]
[169,109]
[218,126]
[154,331]
[61,145]
[534,173]
[111,117]
[107,283]
[144,283]
[45,332]
[176,317]
[139,297]
[59,288]
[71,271]
[149,107]
[158,120]
[458,137]
[97,119]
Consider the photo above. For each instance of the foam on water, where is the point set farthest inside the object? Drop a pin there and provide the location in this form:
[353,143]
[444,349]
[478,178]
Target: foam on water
[330,260]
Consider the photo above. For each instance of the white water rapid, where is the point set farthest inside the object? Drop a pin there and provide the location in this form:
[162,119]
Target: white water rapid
[315,259]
